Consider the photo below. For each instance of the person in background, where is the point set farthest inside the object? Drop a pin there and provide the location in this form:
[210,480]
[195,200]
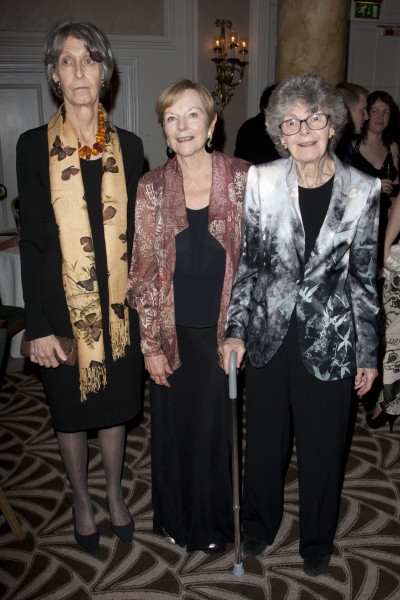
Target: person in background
[355,99]
[387,408]
[377,154]
[304,307]
[77,180]
[185,254]
[11,243]
[253,142]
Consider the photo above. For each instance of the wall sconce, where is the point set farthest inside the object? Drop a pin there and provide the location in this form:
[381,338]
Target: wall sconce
[226,67]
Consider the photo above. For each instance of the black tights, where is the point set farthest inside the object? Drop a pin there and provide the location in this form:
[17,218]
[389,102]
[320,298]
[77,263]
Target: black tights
[74,453]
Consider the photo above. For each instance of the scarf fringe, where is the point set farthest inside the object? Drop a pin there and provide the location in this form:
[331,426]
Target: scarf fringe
[91,379]
[119,333]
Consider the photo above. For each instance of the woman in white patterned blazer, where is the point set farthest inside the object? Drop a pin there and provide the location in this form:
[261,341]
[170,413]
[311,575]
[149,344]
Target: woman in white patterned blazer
[304,307]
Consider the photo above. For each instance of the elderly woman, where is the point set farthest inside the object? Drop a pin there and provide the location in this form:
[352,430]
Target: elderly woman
[304,307]
[77,181]
[186,249]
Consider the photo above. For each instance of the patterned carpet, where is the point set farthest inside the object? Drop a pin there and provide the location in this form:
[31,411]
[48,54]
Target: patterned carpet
[49,564]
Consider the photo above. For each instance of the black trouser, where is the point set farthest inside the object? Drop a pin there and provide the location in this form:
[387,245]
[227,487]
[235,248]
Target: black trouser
[320,412]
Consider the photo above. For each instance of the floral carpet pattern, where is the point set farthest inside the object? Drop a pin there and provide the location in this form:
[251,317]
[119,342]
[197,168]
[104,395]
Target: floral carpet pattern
[49,564]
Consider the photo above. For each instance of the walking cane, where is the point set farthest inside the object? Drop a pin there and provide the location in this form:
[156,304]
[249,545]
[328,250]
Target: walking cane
[238,569]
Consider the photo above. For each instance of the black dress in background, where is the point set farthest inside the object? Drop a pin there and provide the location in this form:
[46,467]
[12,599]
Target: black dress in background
[362,164]
[44,296]
[190,421]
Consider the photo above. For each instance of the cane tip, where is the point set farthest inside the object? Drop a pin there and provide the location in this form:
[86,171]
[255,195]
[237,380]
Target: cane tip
[238,569]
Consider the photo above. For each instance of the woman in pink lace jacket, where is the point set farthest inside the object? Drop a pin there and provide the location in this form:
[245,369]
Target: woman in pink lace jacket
[185,255]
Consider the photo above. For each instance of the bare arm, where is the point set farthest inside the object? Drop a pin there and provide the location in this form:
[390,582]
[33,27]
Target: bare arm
[392,229]
[12,243]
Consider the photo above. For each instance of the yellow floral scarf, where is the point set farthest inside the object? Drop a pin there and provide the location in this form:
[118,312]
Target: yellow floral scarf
[79,262]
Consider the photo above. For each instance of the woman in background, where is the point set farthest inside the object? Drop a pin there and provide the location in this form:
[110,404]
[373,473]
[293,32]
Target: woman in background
[376,153]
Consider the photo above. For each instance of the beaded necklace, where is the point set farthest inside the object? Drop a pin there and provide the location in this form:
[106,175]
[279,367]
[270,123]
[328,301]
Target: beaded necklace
[85,151]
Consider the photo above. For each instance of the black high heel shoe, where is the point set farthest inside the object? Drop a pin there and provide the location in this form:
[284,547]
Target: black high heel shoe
[123,532]
[380,420]
[88,542]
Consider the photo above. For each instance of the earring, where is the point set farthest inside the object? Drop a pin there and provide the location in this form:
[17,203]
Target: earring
[209,146]
[284,145]
[331,135]
[103,84]
[57,85]
[170,152]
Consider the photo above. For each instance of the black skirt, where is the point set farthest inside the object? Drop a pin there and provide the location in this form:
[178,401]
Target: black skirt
[190,429]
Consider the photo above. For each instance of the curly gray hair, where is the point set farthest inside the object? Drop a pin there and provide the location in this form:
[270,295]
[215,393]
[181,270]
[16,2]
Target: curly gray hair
[315,93]
[94,40]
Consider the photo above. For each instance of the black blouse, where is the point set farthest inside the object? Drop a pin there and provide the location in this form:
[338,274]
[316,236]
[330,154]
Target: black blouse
[314,204]
[199,273]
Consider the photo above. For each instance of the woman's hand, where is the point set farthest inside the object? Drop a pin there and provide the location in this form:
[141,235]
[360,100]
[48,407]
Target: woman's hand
[364,380]
[386,252]
[44,350]
[158,368]
[232,345]
[387,186]
[12,243]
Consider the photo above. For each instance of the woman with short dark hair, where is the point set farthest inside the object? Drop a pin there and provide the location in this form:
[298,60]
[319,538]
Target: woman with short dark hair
[77,180]
[304,307]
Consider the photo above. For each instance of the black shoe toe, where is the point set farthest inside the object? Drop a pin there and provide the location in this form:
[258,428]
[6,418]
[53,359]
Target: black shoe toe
[253,546]
[316,566]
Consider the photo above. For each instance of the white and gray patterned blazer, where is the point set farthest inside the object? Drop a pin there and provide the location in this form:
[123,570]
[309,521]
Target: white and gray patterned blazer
[334,292]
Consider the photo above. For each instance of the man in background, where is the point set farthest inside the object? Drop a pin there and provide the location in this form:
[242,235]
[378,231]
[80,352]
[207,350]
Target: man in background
[253,142]
[355,99]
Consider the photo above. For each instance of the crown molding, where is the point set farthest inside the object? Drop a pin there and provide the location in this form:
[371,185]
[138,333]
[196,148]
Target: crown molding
[167,41]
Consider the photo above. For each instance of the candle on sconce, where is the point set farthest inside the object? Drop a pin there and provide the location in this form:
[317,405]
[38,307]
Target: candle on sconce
[233,42]
[244,47]
[233,38]
[216,43]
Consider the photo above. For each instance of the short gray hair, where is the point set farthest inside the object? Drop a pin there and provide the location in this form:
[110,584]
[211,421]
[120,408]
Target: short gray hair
[94,40]
[313,92]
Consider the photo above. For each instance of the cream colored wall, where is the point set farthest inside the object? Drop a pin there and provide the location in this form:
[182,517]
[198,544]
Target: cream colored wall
[123,17]
[238,13]
[142,18]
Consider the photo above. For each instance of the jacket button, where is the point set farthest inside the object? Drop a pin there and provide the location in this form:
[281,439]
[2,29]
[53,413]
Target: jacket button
[297,281]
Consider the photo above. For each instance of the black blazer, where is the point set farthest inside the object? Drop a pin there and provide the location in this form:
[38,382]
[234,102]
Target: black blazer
[41,258]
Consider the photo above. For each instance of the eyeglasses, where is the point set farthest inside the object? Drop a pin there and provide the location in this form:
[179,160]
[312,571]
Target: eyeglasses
[313,122]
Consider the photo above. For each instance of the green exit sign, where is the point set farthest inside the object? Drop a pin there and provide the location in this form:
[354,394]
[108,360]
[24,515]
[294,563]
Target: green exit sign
[367,10]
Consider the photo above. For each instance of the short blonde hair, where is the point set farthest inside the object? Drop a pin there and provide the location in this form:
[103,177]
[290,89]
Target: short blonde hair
[175,91]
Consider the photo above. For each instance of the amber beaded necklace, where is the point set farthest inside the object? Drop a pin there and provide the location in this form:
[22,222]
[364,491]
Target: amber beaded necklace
[85,151]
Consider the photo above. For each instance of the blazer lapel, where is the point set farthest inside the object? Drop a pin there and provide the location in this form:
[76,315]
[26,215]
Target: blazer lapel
[334,216]
[219,194]
[174,196]
[297,229]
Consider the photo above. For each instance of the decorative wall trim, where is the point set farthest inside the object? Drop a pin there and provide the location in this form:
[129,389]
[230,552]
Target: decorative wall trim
[258,53]
[192,47]
[118,42]
[129,75]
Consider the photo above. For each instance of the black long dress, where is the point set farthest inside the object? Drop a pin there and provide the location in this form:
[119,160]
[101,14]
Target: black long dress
[44,296]
[191,486]
[362,164]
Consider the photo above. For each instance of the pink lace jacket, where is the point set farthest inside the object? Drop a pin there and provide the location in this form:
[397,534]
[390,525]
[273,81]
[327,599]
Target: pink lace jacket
[160,216]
